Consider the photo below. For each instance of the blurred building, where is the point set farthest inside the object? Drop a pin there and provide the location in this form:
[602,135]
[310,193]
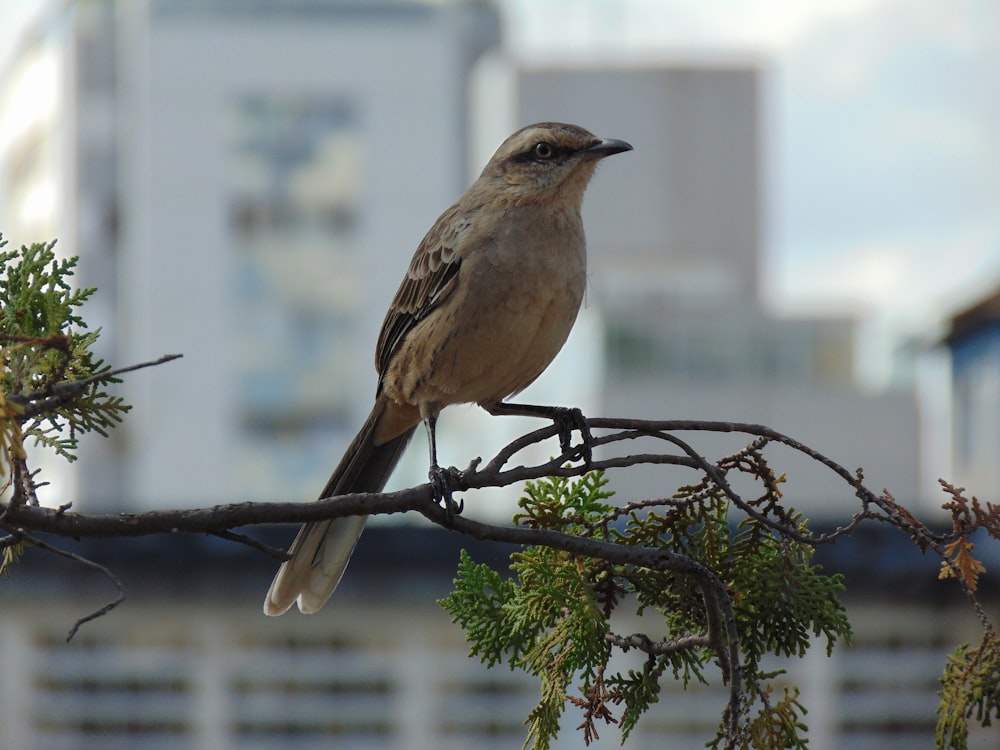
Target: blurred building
[243,183]
[974,344]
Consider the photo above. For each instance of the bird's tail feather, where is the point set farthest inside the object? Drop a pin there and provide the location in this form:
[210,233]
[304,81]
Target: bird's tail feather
[322,549]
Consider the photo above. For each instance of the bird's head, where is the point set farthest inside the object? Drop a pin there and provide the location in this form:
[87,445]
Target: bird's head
[546,158]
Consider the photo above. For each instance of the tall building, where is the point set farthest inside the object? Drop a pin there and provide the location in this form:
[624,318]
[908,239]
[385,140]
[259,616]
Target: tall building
[244,184]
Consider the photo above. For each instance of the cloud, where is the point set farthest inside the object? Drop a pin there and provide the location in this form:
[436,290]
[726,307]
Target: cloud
[889,155]
[919,279]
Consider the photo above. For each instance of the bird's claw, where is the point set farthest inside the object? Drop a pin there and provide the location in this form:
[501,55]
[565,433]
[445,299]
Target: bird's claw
[444,484]
[568,419]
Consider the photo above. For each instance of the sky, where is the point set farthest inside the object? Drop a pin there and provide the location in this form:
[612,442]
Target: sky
[882,147]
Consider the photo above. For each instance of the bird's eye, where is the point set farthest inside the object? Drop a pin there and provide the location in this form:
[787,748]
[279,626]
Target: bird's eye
[543,151]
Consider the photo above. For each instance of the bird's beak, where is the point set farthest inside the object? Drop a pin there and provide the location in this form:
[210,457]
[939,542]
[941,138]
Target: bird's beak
[607,147]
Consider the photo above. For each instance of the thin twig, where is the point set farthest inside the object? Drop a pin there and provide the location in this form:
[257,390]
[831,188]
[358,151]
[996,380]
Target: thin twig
[119,597]
[39,402]
[231,536]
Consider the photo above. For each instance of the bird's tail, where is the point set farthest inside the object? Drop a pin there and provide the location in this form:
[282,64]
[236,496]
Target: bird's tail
[322,549]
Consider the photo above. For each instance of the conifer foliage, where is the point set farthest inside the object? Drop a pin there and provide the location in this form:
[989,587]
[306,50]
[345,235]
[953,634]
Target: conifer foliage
[44,347]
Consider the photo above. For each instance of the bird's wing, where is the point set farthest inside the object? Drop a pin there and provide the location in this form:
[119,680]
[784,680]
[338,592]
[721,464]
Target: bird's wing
[431,277]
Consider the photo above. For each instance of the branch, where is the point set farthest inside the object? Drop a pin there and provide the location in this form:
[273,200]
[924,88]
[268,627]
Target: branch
[644,643]
[119,596]
[60,394]
[278,554]
[494,474]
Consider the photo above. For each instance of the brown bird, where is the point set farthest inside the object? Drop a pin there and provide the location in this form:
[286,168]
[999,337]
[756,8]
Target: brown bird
[488,301]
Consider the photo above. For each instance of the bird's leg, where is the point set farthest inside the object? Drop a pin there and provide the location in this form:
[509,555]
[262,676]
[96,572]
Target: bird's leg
[566,418]
[443,481]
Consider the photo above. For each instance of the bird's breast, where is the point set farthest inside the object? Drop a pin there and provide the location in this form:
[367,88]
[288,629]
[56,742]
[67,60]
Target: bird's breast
[516,299]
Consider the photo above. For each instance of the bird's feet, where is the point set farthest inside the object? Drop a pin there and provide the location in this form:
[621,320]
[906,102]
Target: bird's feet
[568,419]
[444,484]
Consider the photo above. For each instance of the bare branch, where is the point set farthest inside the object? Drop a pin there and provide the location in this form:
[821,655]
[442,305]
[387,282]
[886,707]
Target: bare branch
[494,474]
[64,392]
[231,536]
[119,596]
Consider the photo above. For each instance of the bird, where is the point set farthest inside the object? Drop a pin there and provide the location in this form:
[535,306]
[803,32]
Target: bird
[488,300]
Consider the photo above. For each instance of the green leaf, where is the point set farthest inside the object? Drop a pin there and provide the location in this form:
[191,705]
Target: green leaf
[43,342]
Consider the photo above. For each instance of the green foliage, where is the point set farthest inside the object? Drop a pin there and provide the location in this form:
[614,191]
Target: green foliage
[42,344]
[640,689]
[970,687]
[552,619]
[550,623]
[780,600]
[478,605]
